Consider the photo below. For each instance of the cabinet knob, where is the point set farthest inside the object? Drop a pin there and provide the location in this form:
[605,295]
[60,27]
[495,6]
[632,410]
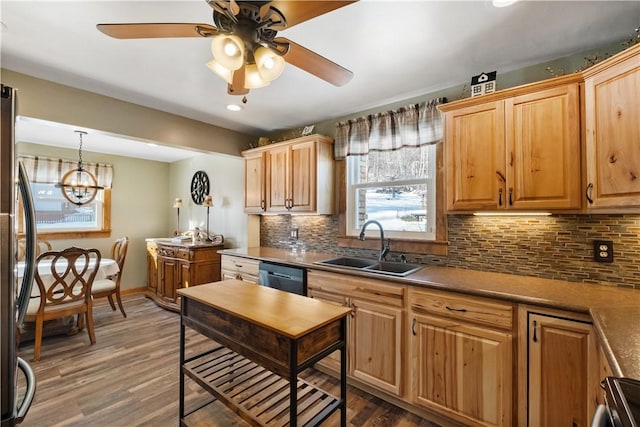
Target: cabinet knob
[499,196]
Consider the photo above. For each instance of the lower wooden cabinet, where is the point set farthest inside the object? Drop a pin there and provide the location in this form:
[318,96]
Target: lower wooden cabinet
[172,266]
[560,370]
[460,367]
[375,339]
[376,333]
[239,268]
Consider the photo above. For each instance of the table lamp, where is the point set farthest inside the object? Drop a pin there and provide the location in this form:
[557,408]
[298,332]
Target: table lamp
[208,202]
[177,203]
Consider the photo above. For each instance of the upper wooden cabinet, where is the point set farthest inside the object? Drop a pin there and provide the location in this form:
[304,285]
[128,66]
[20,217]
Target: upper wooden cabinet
[293,176]
[515,149]
[612,109]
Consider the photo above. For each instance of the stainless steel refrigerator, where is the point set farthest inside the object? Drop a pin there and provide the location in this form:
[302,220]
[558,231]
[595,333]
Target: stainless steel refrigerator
[14,296]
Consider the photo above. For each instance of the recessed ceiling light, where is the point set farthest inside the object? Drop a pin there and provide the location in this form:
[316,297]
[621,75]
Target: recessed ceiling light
[234,107]
[151,144]
[503,3]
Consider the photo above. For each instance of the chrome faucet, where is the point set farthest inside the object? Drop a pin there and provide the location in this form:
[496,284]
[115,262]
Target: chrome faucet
[384,250]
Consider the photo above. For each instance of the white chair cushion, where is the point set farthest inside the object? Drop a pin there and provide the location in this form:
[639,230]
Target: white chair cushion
[34,304]
[102,285]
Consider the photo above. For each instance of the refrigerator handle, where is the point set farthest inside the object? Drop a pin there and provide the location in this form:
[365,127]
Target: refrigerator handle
[29,393]
[30,243]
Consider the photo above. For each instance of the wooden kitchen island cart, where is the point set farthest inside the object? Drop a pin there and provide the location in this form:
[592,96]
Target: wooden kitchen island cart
[266,338]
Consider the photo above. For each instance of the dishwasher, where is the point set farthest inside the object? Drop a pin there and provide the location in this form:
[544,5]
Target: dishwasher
[283,277]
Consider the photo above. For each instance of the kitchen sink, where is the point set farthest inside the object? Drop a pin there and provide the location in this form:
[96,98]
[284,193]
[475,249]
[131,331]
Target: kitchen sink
[394,268]
[372,266]
[349,262]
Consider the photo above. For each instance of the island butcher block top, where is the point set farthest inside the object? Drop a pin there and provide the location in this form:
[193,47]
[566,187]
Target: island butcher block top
[288,314]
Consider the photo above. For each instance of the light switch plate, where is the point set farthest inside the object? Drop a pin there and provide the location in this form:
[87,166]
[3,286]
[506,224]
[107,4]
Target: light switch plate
[603,250]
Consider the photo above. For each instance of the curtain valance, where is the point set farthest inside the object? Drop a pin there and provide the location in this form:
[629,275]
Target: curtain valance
[47,170]
[410,126]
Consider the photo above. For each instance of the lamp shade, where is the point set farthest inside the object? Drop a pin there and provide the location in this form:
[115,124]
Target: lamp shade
[228,50]
[208,201]
[177,203]
[270,64]
[252,78]
[223,72]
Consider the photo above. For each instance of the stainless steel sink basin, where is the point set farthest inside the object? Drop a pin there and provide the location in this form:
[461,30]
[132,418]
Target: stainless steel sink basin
[349,262]
[372,266]
[394,268]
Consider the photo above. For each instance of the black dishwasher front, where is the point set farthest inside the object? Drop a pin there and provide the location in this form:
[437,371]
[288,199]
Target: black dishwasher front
[283,277]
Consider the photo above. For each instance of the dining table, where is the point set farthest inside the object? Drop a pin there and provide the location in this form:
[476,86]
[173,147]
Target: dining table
[108,267]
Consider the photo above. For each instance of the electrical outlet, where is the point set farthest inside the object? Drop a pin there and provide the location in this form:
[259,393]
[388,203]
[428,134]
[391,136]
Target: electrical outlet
[294,234]
[603,250]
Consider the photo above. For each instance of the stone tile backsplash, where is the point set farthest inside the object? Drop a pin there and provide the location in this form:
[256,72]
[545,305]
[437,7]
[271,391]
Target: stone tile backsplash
[555,247]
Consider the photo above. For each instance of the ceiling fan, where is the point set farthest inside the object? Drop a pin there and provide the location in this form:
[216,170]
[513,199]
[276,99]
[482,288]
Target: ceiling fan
[247,53]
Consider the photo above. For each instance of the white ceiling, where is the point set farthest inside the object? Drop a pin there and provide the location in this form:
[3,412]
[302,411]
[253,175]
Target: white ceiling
[396,50]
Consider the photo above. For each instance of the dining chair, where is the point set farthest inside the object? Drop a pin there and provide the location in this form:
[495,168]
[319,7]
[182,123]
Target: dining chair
[110,286]
[42,246]
[64,279]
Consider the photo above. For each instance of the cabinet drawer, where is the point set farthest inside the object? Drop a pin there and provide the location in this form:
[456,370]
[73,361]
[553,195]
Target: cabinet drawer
[356,287]
[184,254]
[240,265]
[167,251]
[473,309]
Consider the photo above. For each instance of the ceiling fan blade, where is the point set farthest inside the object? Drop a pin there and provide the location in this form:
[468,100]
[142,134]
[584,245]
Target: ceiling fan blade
[157,30]
[297,11]
[315,64]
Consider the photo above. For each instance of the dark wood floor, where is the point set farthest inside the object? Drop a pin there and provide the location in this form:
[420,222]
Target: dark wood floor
[130,377]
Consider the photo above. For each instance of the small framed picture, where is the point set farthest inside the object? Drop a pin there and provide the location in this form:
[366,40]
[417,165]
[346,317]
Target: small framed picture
[308,130]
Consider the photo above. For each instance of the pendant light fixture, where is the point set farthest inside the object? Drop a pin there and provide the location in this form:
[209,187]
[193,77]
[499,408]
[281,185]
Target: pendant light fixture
[78,185]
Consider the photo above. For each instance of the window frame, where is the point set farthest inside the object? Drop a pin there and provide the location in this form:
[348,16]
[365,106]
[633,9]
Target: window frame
[353,186]
[398,244]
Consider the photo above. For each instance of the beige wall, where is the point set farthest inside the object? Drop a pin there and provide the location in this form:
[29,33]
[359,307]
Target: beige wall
[226,176]
[46,100]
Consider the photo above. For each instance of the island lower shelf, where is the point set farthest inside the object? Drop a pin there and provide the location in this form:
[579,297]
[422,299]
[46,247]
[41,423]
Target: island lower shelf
[256,394]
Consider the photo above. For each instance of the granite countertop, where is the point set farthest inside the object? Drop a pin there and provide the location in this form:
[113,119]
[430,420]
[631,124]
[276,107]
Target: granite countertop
[615,311]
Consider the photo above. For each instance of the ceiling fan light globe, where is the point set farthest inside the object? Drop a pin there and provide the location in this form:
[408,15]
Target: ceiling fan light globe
[221,71]
[228,50]
[252,78]
[270,65]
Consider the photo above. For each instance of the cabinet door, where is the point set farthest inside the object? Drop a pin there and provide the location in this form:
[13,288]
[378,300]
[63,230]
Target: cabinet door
[254,198]
[277,177]
[168,278]
[543,149]
[303,177]
[474,152]
[562,371]
[461,370]
[613,134]
[377,353]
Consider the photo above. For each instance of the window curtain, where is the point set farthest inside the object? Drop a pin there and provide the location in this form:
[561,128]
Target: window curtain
[410,126]
[47,170]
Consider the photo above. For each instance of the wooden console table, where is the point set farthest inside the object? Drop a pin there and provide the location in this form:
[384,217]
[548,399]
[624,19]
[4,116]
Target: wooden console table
[267,338]
[172,266]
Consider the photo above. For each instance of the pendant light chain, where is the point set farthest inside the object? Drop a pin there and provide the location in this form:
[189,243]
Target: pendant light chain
[79,132]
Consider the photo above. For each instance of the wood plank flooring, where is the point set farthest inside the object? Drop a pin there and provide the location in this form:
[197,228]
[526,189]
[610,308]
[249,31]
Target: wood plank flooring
[130,377]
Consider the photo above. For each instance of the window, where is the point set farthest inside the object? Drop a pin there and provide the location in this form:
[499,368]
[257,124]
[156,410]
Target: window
[55,216]
[396,188]
[392,166]
[55,213]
